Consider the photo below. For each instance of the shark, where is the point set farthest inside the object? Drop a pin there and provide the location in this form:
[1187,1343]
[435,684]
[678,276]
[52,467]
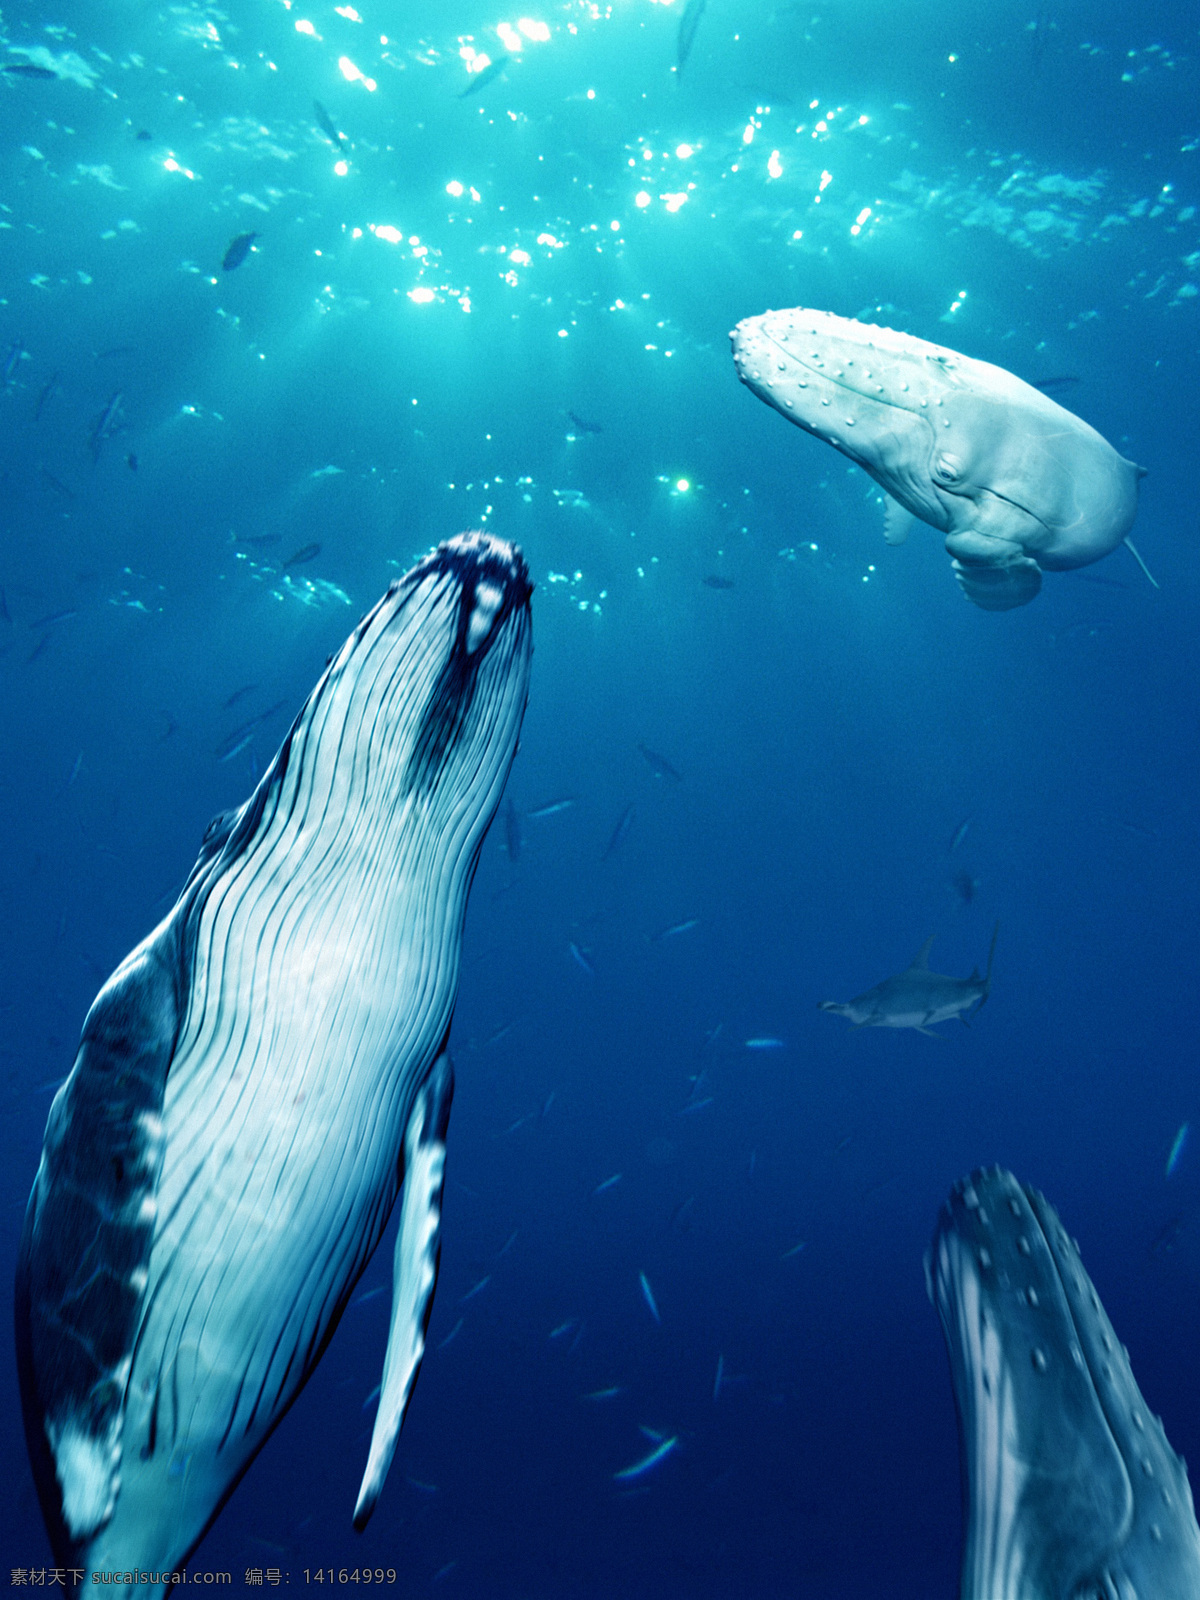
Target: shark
[1070,1487]
[1018,484]
[918,998]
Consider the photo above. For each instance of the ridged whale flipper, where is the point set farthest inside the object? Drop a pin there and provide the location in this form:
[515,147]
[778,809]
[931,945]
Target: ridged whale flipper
[89,1226]
[261,1078]
[1070,1487]
[414,1275]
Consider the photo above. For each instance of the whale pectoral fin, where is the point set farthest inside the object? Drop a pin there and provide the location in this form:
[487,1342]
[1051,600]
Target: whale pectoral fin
[414,1274]
[1000,588]
[82,1271]
[897,521]
[919,1027]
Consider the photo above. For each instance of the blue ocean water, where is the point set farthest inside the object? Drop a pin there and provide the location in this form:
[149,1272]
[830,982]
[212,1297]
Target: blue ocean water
[508,308]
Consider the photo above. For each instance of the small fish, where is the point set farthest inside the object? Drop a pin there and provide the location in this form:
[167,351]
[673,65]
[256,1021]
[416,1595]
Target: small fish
[478,1289]
[552,808]
[454,1331]
[233,742]
[143,135]
[486,75]
[499,1034]
[371,1294]
[512,831]
[549,1101]
[421,1488]
[965,886]
[239,694]
[49,481]
[581,959]
[681,1217]
[306,552]
[608,1183]
[1065,381]
[105,425]
[719,1376]
[647,1463]
[696,1105]
[12,361]
[508,1243]
[648,1296]
[26,69]
[583,427]
[617,837]
[327,125]
[1177,1147]
[233,746]
[131,461]
[1167,1237]
[662,767]
[688,24]
[54,618]
[600,1395]
[674,929]
[563,1327]
[238,250]
[372,1397]
[715,581]
[765,1043]
[443,1572]
[794,1251]
[960,833]
[47,389]
[79,763]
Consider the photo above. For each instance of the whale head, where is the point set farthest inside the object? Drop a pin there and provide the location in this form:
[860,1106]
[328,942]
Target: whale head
[261,1073]
[1017,483]
[1070,1486]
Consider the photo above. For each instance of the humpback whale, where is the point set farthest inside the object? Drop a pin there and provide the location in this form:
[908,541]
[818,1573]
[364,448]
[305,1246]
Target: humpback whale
[916,997]
[261,1078]
[1071,1491]
[1018,484]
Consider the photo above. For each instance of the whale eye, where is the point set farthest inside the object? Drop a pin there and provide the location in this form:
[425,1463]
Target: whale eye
[947,468]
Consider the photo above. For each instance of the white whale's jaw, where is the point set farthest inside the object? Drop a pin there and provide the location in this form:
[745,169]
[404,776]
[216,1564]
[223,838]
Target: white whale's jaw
[1017,483]
[257,1076]
[1071,1487]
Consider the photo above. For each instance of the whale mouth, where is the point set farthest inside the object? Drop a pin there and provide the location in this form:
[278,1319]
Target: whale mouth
[493,583]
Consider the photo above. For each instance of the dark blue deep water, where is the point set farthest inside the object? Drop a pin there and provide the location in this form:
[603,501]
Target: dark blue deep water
[412,347]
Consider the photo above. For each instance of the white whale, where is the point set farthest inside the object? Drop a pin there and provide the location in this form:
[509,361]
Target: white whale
[260,1077]
[1071,1491]
[1019,485]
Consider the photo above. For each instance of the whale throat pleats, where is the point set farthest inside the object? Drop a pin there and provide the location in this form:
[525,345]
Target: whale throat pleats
[262,1077]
